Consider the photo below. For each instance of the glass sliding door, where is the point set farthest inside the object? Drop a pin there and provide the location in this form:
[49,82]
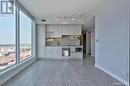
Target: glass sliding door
[7,41]
[25,36]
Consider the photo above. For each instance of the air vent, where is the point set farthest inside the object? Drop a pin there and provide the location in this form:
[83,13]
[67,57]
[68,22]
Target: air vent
[43,20]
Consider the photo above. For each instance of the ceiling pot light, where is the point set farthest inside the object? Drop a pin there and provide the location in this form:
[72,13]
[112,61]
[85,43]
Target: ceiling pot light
[56,18]
[73,18]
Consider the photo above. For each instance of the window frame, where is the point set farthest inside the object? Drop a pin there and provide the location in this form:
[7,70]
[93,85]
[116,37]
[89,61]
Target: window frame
[18,8]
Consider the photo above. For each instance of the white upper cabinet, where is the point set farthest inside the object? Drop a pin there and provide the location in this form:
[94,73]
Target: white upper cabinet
[71,30]
[53,31]
[59,30]
[49,31]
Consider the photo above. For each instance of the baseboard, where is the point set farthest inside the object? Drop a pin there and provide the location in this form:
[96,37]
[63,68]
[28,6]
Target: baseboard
[59,58]
[113,75]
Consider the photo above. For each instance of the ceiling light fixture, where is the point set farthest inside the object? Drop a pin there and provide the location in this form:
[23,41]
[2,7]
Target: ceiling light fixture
[73,18]
[56,18]
[65,17]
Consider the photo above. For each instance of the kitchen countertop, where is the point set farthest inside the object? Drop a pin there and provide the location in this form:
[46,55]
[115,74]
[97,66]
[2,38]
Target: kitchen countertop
[66,46]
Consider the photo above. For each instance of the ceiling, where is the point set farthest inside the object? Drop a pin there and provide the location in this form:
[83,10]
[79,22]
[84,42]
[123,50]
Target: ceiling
[81,10]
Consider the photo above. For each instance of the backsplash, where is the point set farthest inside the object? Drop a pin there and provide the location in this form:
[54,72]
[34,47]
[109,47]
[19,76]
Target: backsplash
[64,41]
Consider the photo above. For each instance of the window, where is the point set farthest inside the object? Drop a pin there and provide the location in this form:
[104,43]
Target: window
[15,37]
[7,41]
[25,36]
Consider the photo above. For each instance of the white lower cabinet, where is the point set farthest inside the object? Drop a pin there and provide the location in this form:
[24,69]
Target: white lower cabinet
[55,52]
[77,55]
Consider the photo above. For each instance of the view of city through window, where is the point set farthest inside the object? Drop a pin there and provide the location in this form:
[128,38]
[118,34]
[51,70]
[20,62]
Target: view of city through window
[8,39]
[25,36]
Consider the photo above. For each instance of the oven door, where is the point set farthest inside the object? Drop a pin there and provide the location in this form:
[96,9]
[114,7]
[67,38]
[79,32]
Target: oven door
[65,51]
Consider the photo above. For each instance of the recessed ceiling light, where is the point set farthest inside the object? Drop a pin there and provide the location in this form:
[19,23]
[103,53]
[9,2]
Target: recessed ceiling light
[73,18]
[56,18]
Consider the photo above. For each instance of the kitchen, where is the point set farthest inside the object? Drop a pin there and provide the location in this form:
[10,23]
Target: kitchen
[63,42]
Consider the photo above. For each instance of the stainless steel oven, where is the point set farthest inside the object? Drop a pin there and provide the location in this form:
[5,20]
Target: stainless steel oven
[65,51]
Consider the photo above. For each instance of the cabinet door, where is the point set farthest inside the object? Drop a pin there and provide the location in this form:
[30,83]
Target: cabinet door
[65,31]
[53,51]
[77,30]
[49,31]
[77,55]
[57,32]
[54,31]
[71,30]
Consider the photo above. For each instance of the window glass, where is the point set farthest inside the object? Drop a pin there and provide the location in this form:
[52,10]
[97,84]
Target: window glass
[25,36]
[7,40]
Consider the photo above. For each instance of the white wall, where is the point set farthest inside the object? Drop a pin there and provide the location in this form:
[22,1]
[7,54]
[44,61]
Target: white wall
[40,38]
[112,33]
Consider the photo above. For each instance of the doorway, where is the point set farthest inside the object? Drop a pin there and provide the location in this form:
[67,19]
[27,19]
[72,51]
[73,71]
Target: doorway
[84,45]
[88,43]
[89,47]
